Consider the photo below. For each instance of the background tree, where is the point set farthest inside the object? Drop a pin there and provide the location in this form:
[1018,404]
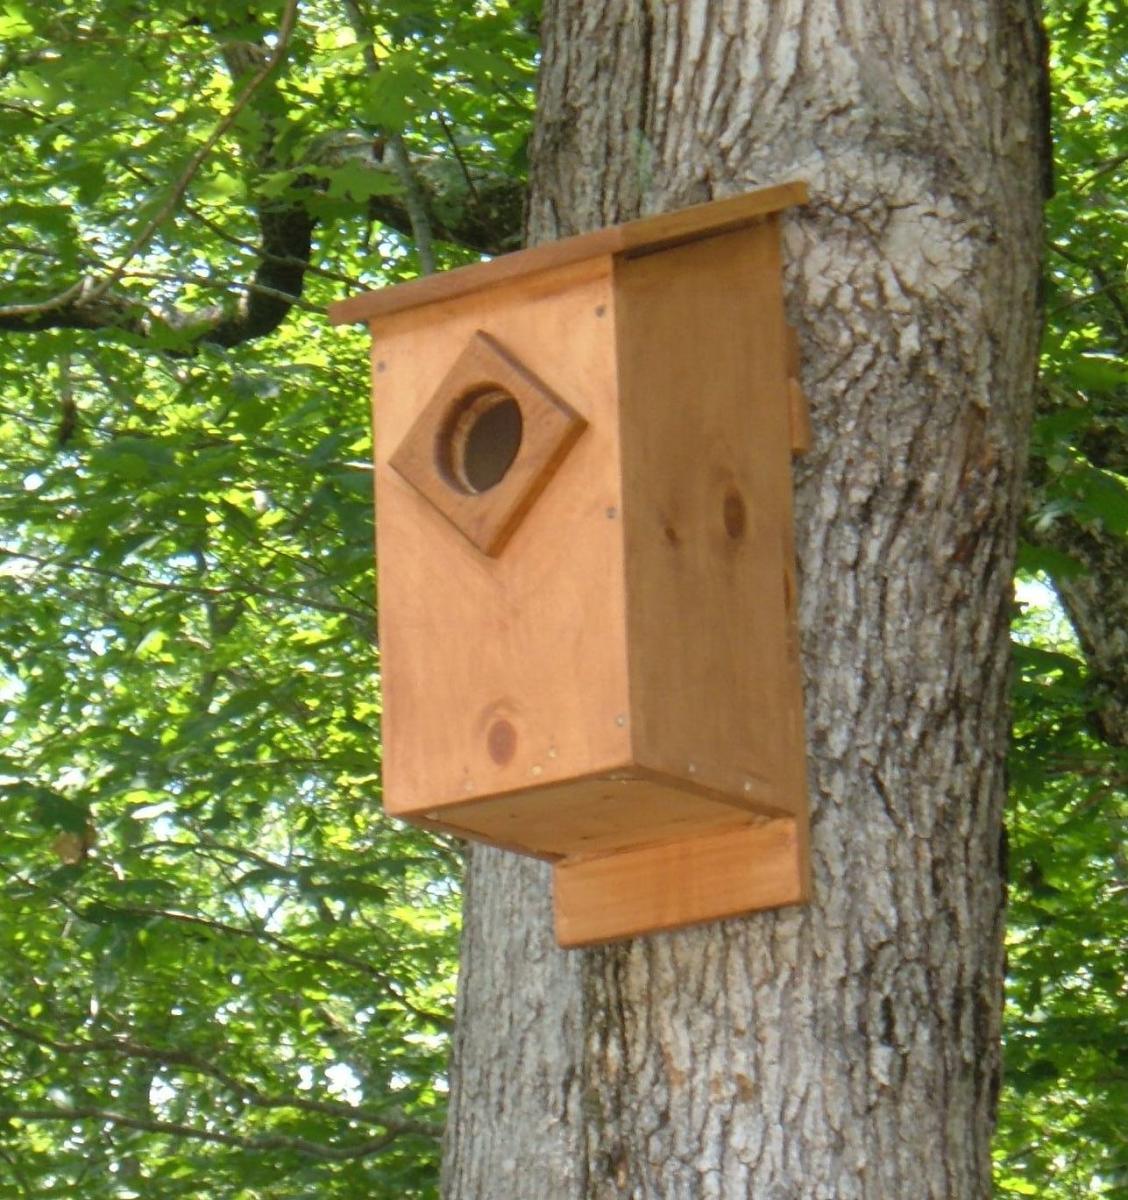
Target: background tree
[224,974]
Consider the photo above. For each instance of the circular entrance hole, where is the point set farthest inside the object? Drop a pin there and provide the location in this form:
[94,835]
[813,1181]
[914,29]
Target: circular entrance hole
[482,440]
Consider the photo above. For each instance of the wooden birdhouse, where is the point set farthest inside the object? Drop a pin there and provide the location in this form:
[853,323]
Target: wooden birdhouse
[586,573]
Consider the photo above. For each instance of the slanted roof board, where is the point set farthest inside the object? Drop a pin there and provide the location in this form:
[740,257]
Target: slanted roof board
[634,237]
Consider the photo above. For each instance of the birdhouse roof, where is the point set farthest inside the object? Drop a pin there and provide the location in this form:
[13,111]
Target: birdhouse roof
[633,238]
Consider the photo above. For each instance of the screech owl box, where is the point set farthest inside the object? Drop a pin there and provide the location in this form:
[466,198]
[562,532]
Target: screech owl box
[587,596]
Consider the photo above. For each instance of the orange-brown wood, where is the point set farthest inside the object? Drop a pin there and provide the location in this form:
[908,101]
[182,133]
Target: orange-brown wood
[801,435]
[548,428]
[721,874]
[508,672]
[644,235]
[702,360]
[800,415]
[588,635]
[581,816]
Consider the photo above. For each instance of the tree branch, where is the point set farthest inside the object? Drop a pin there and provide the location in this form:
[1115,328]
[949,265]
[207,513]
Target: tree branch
[259,1143]
[330,958]
[190,588]
[438,197]
[285,30]
[414,201]
[1096,603]
[248,1092]
[286,243]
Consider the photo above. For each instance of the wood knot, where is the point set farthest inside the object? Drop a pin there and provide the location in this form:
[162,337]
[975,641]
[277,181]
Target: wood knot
[735,514]
[501,741]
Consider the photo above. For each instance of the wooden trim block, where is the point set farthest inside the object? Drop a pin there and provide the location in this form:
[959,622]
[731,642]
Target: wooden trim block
[549,427]
[665,886]
[798,411]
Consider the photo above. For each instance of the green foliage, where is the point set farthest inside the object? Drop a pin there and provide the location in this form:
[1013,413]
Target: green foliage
[206,924]
[1064,1108]
[1081,436]
[1066,1100]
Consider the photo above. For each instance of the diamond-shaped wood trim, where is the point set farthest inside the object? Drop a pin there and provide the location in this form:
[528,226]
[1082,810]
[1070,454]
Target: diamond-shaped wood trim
[549,427]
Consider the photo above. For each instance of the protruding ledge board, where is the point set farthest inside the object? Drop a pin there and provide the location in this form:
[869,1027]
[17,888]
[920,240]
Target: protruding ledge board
[633,238]
[671,884]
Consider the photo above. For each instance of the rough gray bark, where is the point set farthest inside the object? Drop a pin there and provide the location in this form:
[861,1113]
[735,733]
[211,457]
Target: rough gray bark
[848,1049]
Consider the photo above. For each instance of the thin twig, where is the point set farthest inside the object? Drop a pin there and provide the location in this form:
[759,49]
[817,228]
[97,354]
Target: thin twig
[189,588]
[44,306]
[449,134]
[1098,273]
[287,260]
[285,30]
[250,1093]
[218,285]
[1104,169]
[329,958]
[413,198]
[177,1129]
[232,239]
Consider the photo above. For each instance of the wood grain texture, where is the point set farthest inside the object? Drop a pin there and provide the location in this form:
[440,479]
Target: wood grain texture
[499,680]
[602,814]
[633,237]
[549,428]
[503,673]
[729,873]
[706,451]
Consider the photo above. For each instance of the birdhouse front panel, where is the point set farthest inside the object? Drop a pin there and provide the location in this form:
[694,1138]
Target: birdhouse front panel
[502,670]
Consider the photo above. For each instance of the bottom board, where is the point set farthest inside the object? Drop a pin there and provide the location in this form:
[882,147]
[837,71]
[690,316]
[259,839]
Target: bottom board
[671,884]
[599,814]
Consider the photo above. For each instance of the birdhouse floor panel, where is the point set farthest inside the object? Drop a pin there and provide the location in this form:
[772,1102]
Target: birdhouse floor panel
[597,815]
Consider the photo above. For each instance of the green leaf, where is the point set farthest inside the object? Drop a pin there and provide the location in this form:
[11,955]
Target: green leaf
[400,86]
[1097,372]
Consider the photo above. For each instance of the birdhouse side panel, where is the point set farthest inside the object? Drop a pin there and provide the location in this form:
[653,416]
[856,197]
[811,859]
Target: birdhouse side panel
[707,481]
[507,670]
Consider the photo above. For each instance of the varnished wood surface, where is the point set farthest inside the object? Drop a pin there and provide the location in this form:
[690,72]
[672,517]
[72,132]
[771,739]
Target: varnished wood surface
[604,813]
[722,874]
[706,437]
[603,670]
[507,672]
[549,427]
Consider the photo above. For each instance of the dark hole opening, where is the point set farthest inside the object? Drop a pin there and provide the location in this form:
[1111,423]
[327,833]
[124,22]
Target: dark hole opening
[483,441]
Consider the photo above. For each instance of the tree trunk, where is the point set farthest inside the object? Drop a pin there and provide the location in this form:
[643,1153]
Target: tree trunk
[1096,601]
[850,1048]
